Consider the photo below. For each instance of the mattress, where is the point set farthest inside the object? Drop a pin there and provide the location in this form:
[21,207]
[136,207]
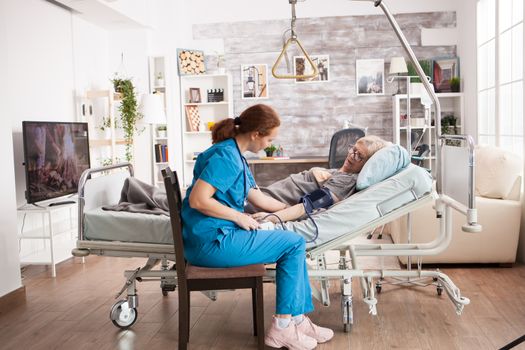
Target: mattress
[122,226]
[342,218]
[365,206]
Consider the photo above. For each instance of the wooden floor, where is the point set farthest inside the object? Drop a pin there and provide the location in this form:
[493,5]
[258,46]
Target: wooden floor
[71,312]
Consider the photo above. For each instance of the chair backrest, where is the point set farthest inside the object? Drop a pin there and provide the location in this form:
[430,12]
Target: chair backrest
[341,141]
[171,183]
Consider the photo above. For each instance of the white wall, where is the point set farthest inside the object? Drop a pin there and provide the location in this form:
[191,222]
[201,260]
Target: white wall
[211,11]
[41,75]
[9,263]
[47,57]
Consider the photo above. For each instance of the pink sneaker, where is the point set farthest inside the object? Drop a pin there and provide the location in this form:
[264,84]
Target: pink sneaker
[321,334]
[288,337]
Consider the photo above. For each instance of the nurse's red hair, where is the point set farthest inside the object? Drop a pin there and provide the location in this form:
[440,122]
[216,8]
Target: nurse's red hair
[261,118]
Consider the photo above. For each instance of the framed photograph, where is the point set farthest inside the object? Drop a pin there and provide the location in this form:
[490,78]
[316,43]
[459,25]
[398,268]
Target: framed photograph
[190,62]
[370,77]
[193,117]
[254,81]
[302,67]
[445,68]
[195,95]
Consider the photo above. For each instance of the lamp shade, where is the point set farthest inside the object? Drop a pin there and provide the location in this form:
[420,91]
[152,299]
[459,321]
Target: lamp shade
[151,107]
[398,65]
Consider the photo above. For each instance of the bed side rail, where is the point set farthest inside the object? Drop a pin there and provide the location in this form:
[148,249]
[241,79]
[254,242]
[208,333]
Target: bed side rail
[451,197]
[386,218]
[112,173]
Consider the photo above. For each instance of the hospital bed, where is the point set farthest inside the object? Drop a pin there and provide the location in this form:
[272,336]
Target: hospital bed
[123,234]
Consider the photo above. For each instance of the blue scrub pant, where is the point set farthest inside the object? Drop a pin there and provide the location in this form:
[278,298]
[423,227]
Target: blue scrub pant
[286,248]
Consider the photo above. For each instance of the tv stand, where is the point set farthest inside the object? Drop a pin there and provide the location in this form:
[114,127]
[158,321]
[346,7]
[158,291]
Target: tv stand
[61,203]
[56,249]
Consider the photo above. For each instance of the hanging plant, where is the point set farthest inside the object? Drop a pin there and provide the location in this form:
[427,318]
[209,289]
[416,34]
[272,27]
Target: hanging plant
[129,115]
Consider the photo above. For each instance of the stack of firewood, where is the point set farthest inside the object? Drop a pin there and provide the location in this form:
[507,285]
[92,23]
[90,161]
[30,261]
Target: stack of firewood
[191,62]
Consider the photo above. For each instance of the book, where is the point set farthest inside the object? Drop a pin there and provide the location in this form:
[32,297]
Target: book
[275,158]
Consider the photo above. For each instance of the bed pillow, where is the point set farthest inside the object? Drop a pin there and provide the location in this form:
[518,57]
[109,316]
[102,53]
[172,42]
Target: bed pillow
[383,164]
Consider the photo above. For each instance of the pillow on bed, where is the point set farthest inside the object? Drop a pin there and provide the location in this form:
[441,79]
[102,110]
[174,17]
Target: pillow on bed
[383,164]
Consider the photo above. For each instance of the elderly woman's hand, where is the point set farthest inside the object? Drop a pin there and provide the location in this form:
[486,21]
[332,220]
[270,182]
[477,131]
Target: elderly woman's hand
[263,216]
[260,216]
[320,174]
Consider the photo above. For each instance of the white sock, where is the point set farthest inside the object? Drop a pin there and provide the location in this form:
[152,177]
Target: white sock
[283,322]
[298,319]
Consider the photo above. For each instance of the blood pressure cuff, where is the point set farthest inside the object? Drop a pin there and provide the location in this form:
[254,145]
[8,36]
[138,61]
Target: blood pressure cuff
[317,199]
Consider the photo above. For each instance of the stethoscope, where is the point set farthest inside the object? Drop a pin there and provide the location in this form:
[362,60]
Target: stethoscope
[245,177]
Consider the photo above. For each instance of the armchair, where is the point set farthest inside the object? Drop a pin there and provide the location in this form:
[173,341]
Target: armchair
[498,186]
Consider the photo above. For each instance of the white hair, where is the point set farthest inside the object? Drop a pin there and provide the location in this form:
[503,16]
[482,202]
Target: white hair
[373,144]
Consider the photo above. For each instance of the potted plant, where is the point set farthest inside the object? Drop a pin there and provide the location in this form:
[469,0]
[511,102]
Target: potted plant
[269,150]
[448,125]
[455,84]
[416,85]
[162,131]
[129,115]
[106,127]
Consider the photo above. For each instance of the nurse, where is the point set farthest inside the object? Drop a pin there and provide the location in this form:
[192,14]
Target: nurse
[217,232]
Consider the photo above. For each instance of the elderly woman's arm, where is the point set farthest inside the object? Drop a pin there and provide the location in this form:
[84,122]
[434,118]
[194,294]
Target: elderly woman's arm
[288,214]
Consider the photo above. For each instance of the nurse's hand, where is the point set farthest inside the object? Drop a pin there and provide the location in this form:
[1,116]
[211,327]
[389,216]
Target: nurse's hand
[246,222]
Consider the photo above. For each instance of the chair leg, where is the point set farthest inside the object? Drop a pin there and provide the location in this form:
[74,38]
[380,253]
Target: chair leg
[254,308]
[184,319]
[260,313]
[189,318]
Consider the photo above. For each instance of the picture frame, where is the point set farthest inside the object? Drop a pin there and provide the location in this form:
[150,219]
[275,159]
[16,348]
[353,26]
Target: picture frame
[302,67]
[254,81]
[190,62]
[370,77]
[193,117]
[444,69]
[195,95]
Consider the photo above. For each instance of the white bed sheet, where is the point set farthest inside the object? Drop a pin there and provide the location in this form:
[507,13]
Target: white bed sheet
[360,209]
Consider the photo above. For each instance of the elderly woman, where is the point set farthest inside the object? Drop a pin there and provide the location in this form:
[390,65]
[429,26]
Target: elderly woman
[334,184]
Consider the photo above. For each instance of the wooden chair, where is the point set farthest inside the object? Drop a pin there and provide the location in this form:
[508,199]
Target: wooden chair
[192,278]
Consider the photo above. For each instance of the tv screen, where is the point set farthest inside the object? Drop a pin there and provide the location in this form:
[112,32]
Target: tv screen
[56,154]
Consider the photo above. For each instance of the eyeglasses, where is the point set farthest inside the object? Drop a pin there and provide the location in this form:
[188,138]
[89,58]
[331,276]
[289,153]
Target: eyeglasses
[354,153]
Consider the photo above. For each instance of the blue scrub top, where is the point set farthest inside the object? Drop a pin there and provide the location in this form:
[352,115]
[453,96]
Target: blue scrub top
[223,167]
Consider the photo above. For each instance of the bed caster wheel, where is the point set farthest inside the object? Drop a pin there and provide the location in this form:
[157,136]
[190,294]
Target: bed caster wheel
[378,288]
[439,290]
[435,279]
[164,293]
[122,315]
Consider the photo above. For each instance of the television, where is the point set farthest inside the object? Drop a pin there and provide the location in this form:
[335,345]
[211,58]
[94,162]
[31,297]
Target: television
[55,155]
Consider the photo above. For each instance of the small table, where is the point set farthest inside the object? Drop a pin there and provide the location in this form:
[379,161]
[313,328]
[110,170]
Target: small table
[57,251]
[295,164]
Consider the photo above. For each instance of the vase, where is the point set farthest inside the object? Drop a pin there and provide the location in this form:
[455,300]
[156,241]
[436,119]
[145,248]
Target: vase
[416,88]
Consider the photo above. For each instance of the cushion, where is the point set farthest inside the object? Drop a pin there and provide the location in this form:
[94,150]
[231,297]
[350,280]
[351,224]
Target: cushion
[383,164]
[497,171]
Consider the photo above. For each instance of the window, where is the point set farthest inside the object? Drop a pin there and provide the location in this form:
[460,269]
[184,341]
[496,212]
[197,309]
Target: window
[500,73]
